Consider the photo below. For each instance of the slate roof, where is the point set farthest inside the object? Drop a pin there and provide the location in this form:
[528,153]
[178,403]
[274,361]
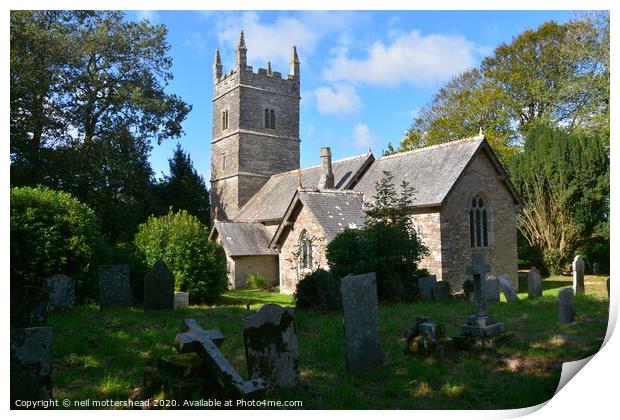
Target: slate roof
[432,171]
[272,200]
[239,239]
[333,210]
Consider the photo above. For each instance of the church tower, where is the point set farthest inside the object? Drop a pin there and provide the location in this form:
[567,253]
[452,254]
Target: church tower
[255,129]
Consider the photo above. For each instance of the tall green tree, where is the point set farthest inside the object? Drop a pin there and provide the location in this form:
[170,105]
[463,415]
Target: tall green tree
[184,188]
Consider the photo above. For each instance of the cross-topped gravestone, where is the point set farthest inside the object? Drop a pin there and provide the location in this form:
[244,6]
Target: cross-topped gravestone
[478,269]
[194,339]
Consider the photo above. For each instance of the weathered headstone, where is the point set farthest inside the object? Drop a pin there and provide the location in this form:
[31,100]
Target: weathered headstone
[596,268]
[566,305]
[578,269]
[31,364]
[114,286]
[29,307]
[505,285]
[159,288]
[361,322]
[193,339]
[271,350]
[181,300]
[425,284]
[441,291]
[61,290]
[534,283]
[492,289]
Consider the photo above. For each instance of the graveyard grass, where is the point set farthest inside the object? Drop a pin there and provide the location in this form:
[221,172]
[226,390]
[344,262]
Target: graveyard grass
[103,354]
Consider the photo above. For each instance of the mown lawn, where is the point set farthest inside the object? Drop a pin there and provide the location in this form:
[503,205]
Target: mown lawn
[102,354]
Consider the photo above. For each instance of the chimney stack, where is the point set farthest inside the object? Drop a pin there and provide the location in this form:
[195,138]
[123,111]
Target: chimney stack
[327,176]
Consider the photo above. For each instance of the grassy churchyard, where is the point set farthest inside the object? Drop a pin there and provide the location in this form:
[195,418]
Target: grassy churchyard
[103,354]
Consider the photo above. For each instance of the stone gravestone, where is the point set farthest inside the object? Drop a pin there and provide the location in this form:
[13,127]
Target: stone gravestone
[534,283]
[441,291]
[596,269]
[61,290]
[159,288]
[114,286]
[566,305]
[505,285]
[271,350]
[608,297]
[361,322]
[425,284]
[578,267]
[28,307]
[492,289]
[31,364]
[181,300]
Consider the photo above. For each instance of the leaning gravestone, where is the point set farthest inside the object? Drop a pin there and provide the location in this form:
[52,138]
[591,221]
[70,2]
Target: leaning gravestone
[578,268]
[361,322]
[159,288]
[566,305]
[492,290]
[31,364]
[534,283]
[505,286]
[441,291]
[181,300]
[425,284]
[271,350]
[61,290]
[114,286]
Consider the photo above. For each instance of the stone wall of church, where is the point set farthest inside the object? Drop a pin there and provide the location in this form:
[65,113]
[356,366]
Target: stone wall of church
[427,225]
[267,265]
[290,272]
[480,177]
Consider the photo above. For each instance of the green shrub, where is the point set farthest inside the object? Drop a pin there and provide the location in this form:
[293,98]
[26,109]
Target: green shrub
[182,242]
[256,281]
[52,232]
[320,290]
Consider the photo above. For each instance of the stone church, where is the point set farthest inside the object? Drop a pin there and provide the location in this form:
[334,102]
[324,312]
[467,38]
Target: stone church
[275,219]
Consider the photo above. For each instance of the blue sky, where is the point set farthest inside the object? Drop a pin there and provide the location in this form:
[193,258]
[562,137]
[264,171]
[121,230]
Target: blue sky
[363,74]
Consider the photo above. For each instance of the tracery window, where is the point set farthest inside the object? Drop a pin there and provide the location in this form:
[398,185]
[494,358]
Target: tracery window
[306,258]
[478,222]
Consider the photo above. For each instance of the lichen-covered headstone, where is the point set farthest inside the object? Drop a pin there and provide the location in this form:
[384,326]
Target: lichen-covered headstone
[271,349]
[61,290]
[181,300]
[29,307]
[578,269]
[492,289]
[534,283]
[505,285]
[31,364]
[566,305]
[159,288]
[425,284]
[441,291]
[361,322]
[114,286]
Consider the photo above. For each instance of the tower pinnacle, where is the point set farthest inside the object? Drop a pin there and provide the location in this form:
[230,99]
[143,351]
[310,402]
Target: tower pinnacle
[242,51]
[217,66]
[294,63]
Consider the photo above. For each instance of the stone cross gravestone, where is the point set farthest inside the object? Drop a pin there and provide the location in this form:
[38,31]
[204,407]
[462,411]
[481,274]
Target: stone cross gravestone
[566,305]
[361,322]
[505,285]
[193,339]
[159,288]
[534,283]
[425,284]
[31,364]
[271,350]
[492,289]
[181,300]
[114,286]
[61,291]
[441,291]
[578,268]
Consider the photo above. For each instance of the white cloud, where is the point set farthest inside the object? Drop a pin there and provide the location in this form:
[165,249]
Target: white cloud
[409,57]
[150,15]
[342,99]
[362,137]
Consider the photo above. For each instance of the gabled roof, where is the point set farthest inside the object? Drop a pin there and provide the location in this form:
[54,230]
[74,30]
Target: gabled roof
[271,201]
[432,171]
[242,239]
[333,210]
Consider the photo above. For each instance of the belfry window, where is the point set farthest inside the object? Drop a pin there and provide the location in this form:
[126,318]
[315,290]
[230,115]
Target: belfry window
[478,223]
[225,120]
[270,118]
[306,259]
